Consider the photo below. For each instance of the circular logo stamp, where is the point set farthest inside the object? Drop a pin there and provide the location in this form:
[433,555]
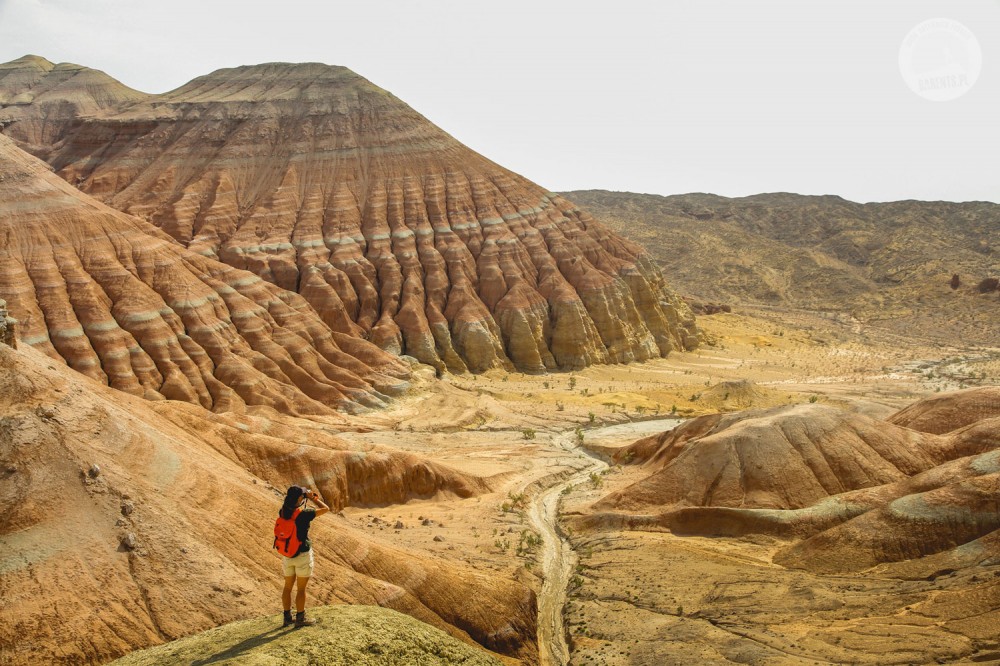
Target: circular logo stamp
[940,60]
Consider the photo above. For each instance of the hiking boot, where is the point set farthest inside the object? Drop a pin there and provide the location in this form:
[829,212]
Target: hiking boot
[288,621]
[302,621]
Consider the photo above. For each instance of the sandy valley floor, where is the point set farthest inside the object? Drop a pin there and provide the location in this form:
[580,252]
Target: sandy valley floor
[651,597]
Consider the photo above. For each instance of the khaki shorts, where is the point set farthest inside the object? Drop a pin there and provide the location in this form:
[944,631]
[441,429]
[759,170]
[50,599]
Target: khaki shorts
[301,565]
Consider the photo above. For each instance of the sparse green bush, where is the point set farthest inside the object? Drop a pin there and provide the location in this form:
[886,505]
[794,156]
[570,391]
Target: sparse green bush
[517,500]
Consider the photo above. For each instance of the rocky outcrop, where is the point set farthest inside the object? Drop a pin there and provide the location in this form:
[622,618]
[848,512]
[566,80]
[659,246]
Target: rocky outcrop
[120,302]
[344,635]
[324,184]
[284,453]
[8,326]
[933,513]
[130,523]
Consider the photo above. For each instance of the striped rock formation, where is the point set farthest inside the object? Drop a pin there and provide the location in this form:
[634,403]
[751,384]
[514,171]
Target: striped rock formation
[324,184]
[128,523]
[40,101]
[852,491]
[782,458]
[124,304]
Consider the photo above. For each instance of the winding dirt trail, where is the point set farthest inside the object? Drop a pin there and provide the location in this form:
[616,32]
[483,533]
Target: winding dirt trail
[558,558]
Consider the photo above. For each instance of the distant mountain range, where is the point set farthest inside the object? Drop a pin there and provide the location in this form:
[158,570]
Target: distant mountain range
[886,264]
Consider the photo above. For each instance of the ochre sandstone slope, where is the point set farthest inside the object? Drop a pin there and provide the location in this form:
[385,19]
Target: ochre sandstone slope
[851,491]
[119,301]
[783,458]
[123,528]
[934,512]
[944,413]
[324,184]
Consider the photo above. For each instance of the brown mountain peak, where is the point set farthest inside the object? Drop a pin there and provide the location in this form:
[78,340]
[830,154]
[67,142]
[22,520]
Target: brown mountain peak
[28,61]
[324,184]
[274,81]
[39,100]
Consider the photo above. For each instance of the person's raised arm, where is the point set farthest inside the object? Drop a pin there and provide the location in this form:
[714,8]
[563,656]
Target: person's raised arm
[323,508]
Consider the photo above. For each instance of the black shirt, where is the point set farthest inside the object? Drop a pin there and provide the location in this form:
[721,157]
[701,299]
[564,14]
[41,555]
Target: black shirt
[302,521]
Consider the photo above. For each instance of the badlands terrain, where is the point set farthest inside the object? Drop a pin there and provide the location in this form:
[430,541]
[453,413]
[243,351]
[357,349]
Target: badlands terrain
[282,274]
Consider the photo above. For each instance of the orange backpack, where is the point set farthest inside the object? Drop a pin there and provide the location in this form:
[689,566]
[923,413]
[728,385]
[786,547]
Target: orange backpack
[286,536]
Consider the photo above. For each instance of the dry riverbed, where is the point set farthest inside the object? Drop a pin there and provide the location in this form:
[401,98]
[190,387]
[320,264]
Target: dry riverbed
[628,601]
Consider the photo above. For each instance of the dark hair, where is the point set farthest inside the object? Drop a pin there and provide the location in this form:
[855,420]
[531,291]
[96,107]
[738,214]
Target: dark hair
[292,498]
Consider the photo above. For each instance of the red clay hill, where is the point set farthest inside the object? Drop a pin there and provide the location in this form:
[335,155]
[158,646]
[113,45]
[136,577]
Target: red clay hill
[122,303]
[324,184]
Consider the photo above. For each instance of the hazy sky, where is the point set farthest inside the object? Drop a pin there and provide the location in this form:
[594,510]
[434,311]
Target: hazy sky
[733,97]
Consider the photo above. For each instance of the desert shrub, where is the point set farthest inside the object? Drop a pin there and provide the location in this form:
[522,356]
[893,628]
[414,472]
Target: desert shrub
[988,285]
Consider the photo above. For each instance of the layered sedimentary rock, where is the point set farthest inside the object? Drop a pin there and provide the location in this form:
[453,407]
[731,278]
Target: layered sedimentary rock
[855,490]
[784,458]
[931,513]
[129,523]
[40,101]
[324,184]
[283,452]
[122,303]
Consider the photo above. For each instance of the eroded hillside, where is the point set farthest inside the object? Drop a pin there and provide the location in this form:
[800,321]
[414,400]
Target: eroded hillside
[321,183]
[129,523]
[118,301]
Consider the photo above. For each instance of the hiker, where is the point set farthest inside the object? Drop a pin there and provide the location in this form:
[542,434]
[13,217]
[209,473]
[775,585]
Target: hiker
[291,539]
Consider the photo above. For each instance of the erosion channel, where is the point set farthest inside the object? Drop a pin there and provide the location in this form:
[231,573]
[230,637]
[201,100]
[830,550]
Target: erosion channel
[558,558]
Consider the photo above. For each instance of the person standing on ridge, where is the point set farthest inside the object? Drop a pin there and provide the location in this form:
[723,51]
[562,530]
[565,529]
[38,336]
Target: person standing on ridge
[291,539]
